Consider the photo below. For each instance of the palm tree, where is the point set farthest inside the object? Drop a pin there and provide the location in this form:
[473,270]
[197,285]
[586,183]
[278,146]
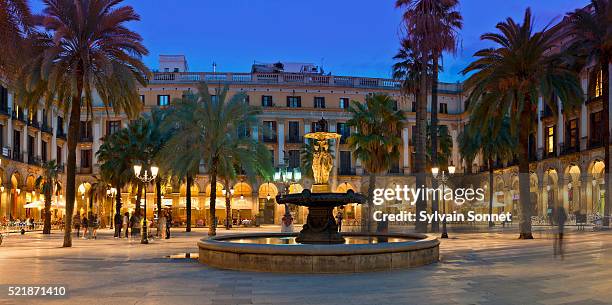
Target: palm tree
[432,27]
[469,147]
[507,81]
[114,164]
[47,184]
[249,158]
[494,145]
[445,149]
[377,138]
[91,50]
[16,24]
[205,132]
[592,30]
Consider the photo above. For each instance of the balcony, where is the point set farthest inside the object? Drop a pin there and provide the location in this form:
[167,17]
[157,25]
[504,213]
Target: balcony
[33,123]
[567,149]
[346,171]
[595,142]
[269,139]
[17,155]
[4,110]
[61,134]
[294,139]
[34,160]
[18,116]
[84,170]
[44,127]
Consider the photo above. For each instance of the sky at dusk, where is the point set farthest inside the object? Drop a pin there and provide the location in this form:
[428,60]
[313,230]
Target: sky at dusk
[346,37]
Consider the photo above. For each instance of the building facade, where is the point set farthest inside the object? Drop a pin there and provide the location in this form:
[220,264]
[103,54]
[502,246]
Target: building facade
[566,149]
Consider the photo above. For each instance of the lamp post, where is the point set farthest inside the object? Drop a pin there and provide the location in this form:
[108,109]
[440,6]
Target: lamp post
[443,179]
[111,193]
[145,178]
[286,177]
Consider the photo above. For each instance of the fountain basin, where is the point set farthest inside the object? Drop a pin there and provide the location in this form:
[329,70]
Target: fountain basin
[251,252]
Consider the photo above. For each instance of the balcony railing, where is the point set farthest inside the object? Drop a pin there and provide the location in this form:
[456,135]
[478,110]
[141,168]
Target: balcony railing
[285,78]
[33,123]
[84,170]
[269,139]
[46,128]
[61,134]
[568,149]
[295,139]
[346,171]
[34,160]
[4,110]
[85,138]
[18,116]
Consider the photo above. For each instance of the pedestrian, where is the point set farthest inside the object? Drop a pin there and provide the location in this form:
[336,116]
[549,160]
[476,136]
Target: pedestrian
[96,225]
[126,223]
[118,225]
[77,225]
[162,225]
[560,218]
[339,220]
[84,224]
[168,223]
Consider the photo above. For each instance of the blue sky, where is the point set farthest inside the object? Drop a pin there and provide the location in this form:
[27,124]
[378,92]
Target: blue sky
[346,37]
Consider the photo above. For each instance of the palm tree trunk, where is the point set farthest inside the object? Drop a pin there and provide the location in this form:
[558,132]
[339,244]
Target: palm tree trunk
[47,225]
[188,202]
[435,225]
[491,224]
[73,132]
[158,196]
[228,206]
[370,205]
[421,143]
[606,142]
[212,230]
[118,203]
[524,198]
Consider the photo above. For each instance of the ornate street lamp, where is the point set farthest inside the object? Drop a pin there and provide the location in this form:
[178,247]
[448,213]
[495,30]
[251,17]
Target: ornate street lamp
[443,179]
[111,193]
[286,176]
[145,177]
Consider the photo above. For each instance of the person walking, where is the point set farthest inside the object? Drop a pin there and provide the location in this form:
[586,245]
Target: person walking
[162,225]
[96,225]
[168,223]
[126,223]
[339,220]
[85,225]
[118,225]
[560,217]
[77,225]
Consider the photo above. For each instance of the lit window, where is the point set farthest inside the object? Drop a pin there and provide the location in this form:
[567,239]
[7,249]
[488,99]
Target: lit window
[550,139]
[163,100]
[599,84]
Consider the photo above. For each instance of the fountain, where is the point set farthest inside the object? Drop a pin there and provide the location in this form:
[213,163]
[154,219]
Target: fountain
[319,247]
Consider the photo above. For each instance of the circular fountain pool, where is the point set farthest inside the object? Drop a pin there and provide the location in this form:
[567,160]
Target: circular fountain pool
[279,252]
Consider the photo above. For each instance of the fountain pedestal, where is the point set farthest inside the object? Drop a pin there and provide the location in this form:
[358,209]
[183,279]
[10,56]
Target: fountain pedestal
[321,226]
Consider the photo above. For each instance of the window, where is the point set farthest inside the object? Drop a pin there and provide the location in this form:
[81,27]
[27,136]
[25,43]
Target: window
[43,150]
[176,69]
[60,125]
[344,103]
[596,132]
[214,98]
[1,136]
[16,143]
[269,132]
[443,108]
[294,132]
[599,84]
[573,139]
[294,101]
[85,130]
[86,158]
[395,107]
[3,99]
[246,99]
[294,158]
[112,127]
[319,102]
[345,162]
[31,149]
[59,156]
[266,101]
[142,99]
[413,107]
[344,130]
[243,131]
[550,140]
[166,69]
[163,100]
[316,127]
[272,155]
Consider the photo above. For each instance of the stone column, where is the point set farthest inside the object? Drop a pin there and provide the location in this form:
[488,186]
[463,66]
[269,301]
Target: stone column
[540,135]
[560,128]
[54,137]
[584,118]
[281,140]
[406,150]
[97,134]
[9,125]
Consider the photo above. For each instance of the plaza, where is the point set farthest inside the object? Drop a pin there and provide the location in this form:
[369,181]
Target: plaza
[474,268]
